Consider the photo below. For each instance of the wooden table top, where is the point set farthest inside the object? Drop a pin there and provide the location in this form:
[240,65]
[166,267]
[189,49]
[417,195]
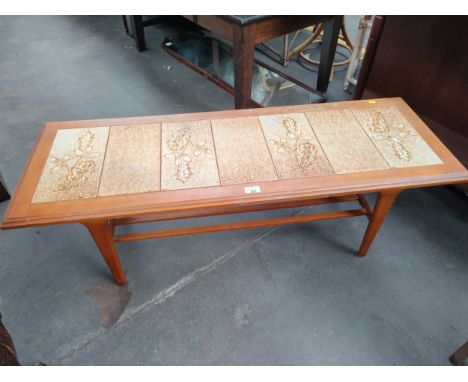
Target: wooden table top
[100,169]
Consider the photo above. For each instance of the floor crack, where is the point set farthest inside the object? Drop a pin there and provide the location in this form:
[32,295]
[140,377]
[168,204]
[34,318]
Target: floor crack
[83,341]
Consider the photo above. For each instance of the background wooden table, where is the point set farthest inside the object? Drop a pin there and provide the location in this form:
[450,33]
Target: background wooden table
[247,31]
[244,32]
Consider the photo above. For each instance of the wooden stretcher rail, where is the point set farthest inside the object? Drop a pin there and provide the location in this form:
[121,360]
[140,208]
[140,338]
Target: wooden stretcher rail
[237,210]
[240,225]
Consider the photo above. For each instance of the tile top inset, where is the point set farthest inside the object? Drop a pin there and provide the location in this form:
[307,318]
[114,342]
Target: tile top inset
[105,161]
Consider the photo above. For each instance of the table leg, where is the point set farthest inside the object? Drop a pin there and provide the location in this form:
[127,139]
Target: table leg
[138,32]
[243,51]
[102,234]
[382,206]
[331,31]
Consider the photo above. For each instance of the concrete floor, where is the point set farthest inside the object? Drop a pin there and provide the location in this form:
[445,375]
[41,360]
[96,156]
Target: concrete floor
[289,295]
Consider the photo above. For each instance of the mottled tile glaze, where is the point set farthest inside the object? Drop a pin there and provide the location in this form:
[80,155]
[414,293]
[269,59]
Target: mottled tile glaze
[132,162]
[396,139]
[188,156]
[242,153]
[74,165]
[293,146]
[345,143]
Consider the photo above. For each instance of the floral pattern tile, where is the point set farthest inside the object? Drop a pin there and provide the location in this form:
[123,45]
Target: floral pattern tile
[188,156]
[293,146]
[396,139]
[73,167]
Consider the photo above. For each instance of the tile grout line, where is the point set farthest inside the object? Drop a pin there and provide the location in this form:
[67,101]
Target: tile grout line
[103,162]
[215,151]
[318,141]
[160,156]
[259,120]
[370,139]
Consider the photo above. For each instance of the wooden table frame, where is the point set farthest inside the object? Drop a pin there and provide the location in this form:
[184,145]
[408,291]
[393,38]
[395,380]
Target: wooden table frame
[248,32]
[102,214]
[245,35]
[105,238]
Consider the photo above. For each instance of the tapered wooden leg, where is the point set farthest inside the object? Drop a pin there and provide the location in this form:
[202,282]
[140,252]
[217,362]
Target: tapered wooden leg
[382,206]
[102,235]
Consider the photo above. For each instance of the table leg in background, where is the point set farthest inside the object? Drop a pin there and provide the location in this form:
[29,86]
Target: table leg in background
[243,50]
[331,31]
[138,32]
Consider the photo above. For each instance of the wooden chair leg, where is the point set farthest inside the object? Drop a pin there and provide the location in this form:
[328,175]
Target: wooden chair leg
[382,206]
[102,234]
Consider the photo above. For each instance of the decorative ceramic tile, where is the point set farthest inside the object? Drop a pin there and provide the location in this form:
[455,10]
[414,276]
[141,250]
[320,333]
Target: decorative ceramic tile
[132,162]
[398,142]
[345,143]
[74,164]
[293,146]
[188,156]
[241,150]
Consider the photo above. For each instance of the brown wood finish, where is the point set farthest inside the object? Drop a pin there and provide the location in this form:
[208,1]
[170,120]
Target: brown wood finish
[102,233]
[240,225]
[245,36]
[382,206]
[236,210]
[243,49]
[460,357]
[101,213]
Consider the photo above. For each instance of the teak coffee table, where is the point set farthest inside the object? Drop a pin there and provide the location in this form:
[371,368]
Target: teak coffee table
[105,173]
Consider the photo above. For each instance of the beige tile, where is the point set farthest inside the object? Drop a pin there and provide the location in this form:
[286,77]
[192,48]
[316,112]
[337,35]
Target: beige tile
[396,139]
[132,162]
[345,143]
[188,156]
[74,164]
[242,152]
[293,146]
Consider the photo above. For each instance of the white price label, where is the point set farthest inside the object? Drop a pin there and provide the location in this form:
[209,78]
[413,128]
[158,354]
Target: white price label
[252,189]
